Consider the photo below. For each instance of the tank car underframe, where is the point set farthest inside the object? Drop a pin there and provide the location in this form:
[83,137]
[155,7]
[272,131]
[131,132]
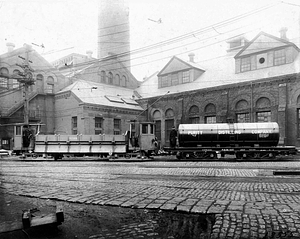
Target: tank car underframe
[238,153]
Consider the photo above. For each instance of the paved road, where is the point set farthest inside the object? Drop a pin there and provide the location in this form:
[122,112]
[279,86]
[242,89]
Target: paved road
[246,198]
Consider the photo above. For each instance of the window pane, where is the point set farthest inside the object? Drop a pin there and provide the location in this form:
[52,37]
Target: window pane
[144,129]
[164,81]
[174,79]
[243,118]
[279,57]
[263,116]
[210,119]
[158,129]
[98,125]
[117,126]
[245,64]
[186,77]
[74,125]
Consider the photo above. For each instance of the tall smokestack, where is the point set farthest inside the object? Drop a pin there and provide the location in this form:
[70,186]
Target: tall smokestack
[114,30]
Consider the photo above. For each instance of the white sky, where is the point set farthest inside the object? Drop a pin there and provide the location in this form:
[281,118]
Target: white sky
[66,26]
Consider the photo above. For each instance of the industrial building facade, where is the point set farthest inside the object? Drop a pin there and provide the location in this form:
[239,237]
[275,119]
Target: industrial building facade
[256,82]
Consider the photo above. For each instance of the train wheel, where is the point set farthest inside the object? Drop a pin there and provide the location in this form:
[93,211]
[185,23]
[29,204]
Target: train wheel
[213,155]
[179,155]
[271,155]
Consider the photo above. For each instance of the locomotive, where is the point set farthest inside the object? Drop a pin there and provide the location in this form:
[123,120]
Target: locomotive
[139,140]
[240,140]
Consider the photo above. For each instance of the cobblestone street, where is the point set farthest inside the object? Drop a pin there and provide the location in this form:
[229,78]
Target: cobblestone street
[245,199]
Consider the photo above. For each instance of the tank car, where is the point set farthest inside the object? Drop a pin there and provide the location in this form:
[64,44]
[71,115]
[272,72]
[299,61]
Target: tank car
[223,135]
[241,140]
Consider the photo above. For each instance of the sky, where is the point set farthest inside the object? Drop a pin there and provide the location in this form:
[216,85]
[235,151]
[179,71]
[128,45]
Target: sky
[174,27]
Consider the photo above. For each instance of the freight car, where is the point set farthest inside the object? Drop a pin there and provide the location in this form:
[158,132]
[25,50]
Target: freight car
[138,140]
[240,140]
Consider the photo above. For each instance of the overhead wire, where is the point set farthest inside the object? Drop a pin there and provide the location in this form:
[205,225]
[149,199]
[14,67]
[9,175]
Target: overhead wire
[191,34]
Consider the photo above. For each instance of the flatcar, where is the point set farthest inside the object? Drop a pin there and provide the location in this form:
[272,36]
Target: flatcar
[138,140]
[241,140]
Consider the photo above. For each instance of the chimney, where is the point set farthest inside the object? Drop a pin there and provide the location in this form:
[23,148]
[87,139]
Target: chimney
[282,32]
[191,56]
[89,54]
[10,46]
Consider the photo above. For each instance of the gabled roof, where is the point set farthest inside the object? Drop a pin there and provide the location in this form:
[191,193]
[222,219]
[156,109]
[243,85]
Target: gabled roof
[102,94]
[176,64]
[220,71]
[263,42]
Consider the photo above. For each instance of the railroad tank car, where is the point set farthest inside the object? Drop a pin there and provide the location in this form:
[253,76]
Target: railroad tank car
[225,135]
[233,140]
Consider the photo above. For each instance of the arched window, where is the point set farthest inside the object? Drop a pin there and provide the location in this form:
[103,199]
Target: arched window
[210,114]
[14,82]
[263,102]
[242,111]
[169,123]
[110,78]
[117,79]
[39,83]
[50,84]
[157,120]
[124,81]
[103,77]
[3,80]
[263,110]
[194,115]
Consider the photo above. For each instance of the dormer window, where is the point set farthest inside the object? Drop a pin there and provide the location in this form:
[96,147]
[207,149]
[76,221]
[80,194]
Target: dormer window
[178,72]
[265,51]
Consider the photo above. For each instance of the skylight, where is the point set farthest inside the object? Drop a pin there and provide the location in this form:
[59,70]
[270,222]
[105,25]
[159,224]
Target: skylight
[114,98]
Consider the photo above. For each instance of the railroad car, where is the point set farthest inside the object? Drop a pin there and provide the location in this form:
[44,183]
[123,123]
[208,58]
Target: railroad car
[241,140]
[138,140]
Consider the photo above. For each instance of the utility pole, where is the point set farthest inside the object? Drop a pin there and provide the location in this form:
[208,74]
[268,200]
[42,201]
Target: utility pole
[26,80]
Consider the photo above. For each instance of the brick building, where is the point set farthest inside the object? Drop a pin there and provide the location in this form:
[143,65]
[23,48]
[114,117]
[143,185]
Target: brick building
[257,81]
[87,107]
[47,81]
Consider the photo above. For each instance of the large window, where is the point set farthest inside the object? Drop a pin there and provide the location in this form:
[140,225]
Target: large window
[279,57]
[3,80]
[210,119]
[117,126]
[194,115]
[74,125]
[15,83]
[50,88]
[263,116]
[98,125]
[243,118]
[245,64]
[210,114]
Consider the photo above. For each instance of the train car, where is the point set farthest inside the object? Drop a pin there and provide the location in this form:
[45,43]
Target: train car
[138,140]
[241,140]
